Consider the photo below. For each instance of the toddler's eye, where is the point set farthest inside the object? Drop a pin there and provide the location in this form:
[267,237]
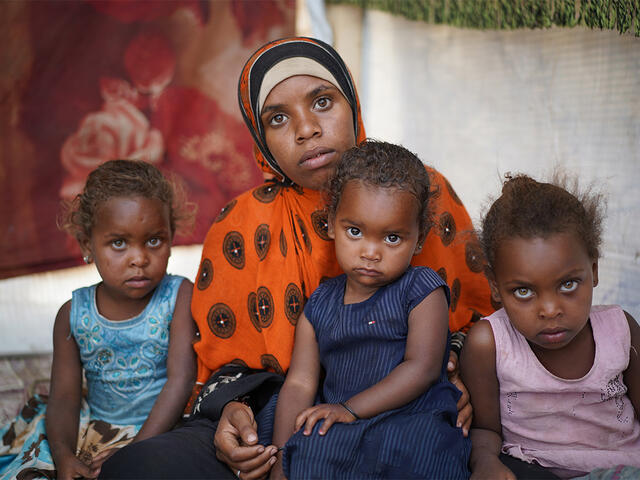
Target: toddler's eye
[392,239]
[118,244]
[354,232]
[154,242]
[523,293]
[323,103]
[568,286]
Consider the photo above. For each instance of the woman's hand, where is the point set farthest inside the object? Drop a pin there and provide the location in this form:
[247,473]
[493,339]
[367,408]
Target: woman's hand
[70,466]
[330,412]
[236,442]
[465,411]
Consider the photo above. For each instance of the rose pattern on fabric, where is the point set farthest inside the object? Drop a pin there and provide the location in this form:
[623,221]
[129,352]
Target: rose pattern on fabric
[119,130]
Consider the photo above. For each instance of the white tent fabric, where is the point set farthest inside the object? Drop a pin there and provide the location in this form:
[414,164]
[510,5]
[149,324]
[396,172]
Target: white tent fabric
[477,104]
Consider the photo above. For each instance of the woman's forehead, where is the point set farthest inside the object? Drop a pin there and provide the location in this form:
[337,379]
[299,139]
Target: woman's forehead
[294,88]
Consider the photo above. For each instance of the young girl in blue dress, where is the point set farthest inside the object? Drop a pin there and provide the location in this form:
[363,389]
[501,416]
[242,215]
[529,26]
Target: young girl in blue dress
[130,335]
[379,333]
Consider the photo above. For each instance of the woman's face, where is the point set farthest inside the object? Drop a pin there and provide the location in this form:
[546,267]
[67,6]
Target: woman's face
[308,125]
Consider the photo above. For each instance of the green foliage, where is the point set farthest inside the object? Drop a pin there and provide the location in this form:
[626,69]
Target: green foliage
[620,15]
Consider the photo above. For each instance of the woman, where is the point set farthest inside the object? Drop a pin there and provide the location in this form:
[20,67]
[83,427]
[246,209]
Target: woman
[269,249]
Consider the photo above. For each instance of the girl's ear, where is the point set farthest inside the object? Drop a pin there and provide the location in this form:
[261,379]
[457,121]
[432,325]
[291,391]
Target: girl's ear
[594,269]
[493,285]
[85,244]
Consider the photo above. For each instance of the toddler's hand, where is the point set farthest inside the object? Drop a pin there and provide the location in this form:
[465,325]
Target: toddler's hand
[72,467]
[491,468]
[330,412]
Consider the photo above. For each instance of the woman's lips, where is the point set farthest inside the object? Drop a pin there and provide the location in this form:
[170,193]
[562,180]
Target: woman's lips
[316,158]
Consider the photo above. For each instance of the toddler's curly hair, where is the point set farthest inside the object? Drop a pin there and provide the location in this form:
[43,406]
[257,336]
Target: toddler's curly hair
[382,164]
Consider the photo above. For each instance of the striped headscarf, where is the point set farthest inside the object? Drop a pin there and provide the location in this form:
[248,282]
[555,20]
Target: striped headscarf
[268,249]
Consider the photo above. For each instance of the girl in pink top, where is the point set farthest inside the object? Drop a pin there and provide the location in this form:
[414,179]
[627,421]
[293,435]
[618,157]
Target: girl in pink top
[554,381]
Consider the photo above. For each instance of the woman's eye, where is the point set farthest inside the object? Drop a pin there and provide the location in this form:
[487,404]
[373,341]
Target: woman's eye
[118,244]
[277,119]
[568,286]
[323,103]
[154,242]
[392,239]
[523,293]
[354,232]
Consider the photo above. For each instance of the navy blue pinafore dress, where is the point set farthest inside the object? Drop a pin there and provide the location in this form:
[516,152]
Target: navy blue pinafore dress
[359,345]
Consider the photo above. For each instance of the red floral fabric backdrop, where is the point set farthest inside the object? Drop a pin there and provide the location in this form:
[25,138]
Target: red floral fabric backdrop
[86,81]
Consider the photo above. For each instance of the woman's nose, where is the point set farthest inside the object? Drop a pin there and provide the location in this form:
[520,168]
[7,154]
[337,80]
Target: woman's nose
[307,126]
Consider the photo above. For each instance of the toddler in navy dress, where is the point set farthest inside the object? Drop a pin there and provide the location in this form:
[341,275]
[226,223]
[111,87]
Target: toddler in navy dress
[379,335]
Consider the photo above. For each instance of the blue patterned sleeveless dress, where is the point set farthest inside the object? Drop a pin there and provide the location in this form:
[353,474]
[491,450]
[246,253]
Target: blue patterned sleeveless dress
[125,364]
[359,345]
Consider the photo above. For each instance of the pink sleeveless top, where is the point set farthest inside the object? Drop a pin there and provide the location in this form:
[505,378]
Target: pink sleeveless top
[571,426]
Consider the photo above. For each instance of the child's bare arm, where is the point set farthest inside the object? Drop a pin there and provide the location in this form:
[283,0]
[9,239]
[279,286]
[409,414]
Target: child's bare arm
[426,343]
[300,387]
[181,369]
[632,373]
[478,369]
[63,409]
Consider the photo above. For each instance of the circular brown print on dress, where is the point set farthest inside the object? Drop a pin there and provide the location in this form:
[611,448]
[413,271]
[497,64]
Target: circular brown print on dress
[283,244]
[443,274]
[455,294]
[320,224]
[266,193]
[239,361]
[262,240]
[474,256]
[447,228]
[252,307]
[264,307]
[221,320]
[298,189]
[225,210]
[293,303]
[206,274]
[304,233]
[452,192]
[233,249]
[269,362]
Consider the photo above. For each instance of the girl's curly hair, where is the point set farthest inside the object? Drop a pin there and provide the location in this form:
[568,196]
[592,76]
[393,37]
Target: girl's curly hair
[528,208]
[125,178]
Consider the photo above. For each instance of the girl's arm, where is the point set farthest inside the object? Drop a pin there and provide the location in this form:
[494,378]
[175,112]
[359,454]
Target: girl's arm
[181,369]
[63,409]
[426,343]
[300,387]
[632,373]
[478,369]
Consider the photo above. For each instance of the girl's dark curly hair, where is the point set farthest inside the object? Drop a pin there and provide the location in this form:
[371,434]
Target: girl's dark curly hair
[382,164]
[529,209]
[124,178]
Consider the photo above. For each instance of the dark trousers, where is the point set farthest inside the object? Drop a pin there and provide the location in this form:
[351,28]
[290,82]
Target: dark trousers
[186,452]
[526,471]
